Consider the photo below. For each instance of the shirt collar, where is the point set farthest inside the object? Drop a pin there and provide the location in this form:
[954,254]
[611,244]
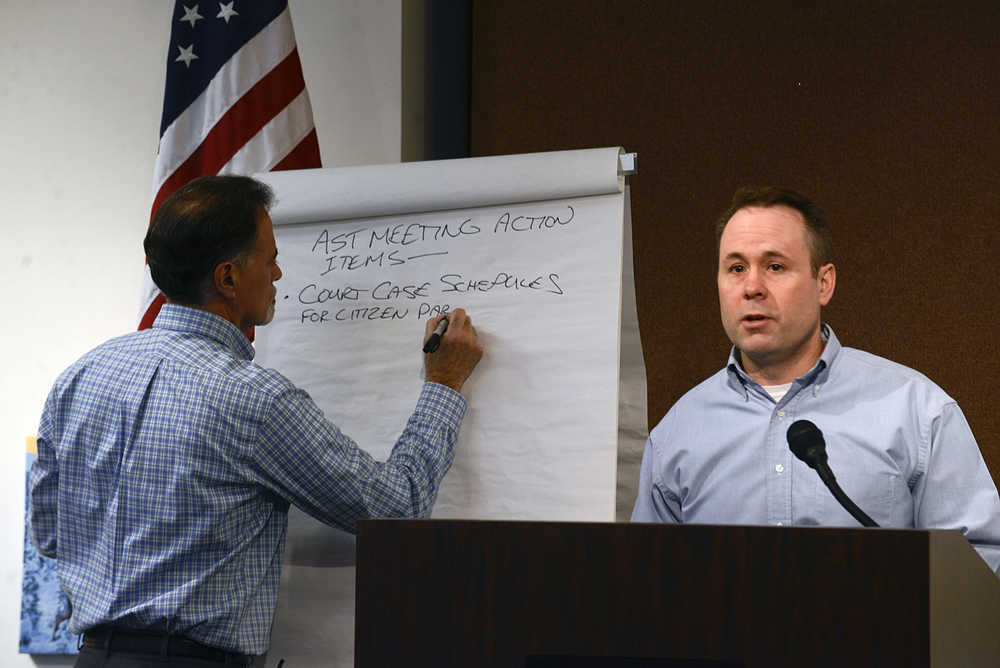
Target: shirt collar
[195,321]
[739,379]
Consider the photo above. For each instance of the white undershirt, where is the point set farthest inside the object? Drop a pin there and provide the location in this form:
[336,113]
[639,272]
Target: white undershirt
[777,391]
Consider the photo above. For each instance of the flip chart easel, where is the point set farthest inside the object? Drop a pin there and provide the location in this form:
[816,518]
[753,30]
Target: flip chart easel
[532,247]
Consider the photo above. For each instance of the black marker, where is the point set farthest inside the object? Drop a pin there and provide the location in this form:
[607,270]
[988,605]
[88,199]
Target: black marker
[434,340]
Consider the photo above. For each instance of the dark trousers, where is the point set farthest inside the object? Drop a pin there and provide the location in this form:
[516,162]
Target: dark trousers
[111,647]
[91,657]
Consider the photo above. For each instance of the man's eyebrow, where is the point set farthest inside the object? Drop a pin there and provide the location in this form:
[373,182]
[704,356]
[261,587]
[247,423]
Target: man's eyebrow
[769,254]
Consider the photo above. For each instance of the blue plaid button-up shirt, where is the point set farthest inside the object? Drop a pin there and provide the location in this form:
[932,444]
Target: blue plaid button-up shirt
[167,461]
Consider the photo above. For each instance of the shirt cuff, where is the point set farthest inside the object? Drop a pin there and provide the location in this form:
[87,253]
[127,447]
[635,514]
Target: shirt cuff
[441,402]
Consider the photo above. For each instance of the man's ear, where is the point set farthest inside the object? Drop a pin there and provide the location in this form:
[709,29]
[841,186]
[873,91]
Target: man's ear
[827,276]
[226,279]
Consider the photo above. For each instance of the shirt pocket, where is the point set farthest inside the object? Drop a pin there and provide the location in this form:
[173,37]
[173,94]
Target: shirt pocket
[879,494]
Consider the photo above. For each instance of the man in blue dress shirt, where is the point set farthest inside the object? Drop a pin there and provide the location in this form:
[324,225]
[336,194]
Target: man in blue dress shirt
[900,447]
[167,459]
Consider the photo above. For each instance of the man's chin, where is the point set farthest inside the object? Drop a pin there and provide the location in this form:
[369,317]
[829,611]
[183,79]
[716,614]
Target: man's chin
[752,341]
[757,347]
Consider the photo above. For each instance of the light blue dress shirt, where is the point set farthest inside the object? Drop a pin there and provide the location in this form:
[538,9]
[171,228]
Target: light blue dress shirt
[166,463]
[899,447]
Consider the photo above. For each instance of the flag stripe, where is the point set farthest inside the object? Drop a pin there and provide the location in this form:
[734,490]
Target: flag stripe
[152,310]
[239,124]
[274,140]
[303,156]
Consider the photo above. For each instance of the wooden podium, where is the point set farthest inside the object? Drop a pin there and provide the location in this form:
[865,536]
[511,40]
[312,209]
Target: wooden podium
[591,595]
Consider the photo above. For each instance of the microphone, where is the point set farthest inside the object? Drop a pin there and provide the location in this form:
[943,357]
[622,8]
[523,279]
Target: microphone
[806,441]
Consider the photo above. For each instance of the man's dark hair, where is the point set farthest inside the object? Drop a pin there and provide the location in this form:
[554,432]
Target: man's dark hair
[210,220]
[817,224]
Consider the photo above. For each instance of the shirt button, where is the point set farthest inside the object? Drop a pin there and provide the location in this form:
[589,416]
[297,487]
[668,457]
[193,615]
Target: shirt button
[781,414]
[779,468]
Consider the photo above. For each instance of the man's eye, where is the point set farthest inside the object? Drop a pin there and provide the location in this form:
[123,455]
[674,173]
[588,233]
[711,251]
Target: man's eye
[775,267]
[737,268]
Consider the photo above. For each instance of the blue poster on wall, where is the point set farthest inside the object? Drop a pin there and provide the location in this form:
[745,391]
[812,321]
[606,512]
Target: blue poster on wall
[44,608]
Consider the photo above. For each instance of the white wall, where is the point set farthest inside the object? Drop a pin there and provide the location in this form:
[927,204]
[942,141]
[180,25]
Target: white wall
[81,88]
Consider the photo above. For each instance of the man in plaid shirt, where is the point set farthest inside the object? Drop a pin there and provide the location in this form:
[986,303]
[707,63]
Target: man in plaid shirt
[167,459]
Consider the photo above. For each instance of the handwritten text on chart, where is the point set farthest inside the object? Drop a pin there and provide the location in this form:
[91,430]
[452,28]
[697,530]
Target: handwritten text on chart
[395,245]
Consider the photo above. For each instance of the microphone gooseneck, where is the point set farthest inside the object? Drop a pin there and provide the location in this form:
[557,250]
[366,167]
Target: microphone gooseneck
[806,441]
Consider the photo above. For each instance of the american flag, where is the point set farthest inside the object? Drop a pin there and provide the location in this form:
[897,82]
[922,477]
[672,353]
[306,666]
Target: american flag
[235,102]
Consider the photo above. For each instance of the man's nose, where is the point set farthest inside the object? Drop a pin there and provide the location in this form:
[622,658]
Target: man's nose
[753,284]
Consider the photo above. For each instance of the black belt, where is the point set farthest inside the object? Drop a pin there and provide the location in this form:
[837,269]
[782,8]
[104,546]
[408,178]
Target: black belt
[131,641]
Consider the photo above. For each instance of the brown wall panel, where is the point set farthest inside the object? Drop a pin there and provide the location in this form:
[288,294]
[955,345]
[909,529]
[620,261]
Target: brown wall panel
[887,114]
